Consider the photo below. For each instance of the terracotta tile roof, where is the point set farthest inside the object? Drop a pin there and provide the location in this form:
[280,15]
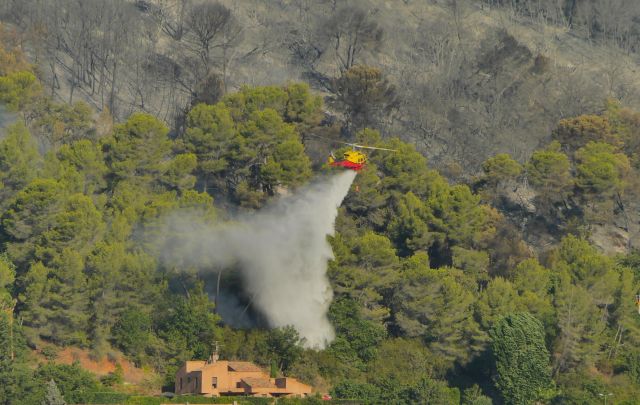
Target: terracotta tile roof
[255,382]
[194,365]
[243,366]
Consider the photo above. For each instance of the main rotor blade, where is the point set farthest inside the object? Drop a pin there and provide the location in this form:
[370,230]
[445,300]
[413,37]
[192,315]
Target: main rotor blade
[355,145]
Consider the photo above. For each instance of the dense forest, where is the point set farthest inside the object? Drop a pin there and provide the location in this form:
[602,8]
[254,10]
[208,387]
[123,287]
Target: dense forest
[496,281]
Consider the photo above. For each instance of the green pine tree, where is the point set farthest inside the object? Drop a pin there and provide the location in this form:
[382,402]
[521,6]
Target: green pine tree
[521,359]
[17,385]
[19,161]
[53,395]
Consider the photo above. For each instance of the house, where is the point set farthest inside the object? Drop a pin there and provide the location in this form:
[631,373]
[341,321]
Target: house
[220,377]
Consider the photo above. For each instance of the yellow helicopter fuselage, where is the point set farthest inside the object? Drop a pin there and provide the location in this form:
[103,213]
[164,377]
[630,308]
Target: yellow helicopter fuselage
[352,159]
[355,156]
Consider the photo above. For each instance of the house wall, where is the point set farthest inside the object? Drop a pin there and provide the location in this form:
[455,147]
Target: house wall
[185,372]
[219,370]
[191,382]
[295,387]
[181,381]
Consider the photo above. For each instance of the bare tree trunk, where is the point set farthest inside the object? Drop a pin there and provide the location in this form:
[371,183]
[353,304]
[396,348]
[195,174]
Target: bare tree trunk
[224,69]
[456,18]
[572,12]
[73,87]
[54,79]
[112,95]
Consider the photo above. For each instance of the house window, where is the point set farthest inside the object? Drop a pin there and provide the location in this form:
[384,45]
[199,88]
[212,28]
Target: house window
[180,383]
[214,382]
[196,382]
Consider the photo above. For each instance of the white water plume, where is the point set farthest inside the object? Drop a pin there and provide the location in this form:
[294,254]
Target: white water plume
[282,252]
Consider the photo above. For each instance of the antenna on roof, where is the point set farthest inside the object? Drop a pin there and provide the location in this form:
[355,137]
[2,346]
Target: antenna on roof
[215,354]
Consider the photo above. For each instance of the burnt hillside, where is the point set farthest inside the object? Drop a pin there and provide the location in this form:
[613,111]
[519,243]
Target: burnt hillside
[470,78]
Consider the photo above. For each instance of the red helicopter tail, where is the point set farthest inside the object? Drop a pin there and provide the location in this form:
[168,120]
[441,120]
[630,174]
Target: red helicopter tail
[346,164]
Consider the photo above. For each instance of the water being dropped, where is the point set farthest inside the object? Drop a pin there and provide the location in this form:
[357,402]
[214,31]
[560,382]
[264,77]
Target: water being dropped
[281,251]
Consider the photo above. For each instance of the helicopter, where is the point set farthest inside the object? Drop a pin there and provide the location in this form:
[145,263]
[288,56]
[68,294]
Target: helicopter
[353,159]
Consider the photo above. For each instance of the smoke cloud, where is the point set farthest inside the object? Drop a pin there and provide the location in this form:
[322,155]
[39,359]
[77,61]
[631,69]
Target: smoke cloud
[281,252]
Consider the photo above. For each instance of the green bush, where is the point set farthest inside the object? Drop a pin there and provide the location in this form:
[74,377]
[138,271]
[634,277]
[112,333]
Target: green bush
[105,398]
[354,390]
